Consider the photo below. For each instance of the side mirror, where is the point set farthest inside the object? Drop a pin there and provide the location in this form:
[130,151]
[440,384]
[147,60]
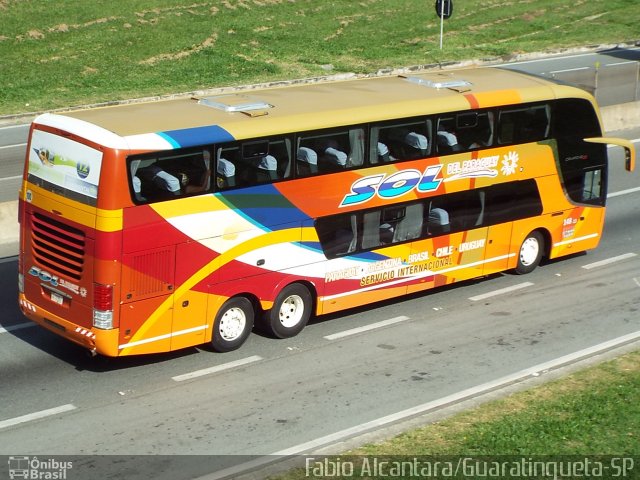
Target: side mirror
[629,149]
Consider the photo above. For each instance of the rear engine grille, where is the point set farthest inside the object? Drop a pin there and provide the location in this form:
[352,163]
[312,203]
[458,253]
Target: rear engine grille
[58,247]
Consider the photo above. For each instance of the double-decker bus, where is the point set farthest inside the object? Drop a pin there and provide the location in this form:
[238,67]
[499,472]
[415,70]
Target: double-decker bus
[151,227]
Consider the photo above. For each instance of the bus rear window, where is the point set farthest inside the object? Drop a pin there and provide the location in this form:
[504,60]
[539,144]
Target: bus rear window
[65,167]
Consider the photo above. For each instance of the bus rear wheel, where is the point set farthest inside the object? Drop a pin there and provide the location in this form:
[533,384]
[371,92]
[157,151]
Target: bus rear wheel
[232,325]
[290,312]
[530,253]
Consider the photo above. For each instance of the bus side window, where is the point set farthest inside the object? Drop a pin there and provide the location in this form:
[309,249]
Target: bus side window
[475,129]
[512,201]
[338,235]
[397,140]
[447,140]
[522,125]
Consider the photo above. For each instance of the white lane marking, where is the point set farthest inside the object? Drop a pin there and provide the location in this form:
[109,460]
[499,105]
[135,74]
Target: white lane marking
[19,326]
[216,369]
[14,145]
[577,69]
[628,62]
[607,261]
[624,192]
[501,291]
[637,281]
[366,328]
[536,370]
[36,415]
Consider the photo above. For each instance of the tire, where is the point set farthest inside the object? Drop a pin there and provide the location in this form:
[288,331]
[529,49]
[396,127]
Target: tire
[530,253]
[290,312]
[232,325]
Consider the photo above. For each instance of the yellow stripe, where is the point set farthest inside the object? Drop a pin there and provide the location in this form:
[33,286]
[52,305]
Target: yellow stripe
[307,234]
[109,220]
[91,217]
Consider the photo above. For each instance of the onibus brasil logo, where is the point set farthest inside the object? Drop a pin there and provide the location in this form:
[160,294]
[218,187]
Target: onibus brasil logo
[37,469]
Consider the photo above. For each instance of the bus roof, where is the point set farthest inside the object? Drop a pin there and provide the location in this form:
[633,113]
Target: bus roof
[276,110]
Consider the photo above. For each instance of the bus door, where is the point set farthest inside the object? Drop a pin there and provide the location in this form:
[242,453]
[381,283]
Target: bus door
[498,248]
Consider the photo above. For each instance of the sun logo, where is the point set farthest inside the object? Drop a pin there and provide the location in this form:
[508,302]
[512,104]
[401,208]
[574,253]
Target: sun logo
[509,163]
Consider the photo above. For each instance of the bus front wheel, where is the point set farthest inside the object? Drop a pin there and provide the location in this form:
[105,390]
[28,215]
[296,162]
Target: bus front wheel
[530,253]
[233,324]
[290,312]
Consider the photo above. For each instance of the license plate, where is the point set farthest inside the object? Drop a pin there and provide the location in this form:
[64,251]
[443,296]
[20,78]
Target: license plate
[57,298]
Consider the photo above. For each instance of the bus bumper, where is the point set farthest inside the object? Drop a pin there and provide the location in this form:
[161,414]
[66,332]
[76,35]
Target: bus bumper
[103,342]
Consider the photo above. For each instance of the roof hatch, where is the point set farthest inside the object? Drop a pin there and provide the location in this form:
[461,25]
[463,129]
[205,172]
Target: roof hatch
[452,84]
[236,103]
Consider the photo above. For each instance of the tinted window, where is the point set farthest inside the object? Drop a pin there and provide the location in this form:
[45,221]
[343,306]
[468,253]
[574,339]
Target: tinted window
[329,151]
[441,215]
[167,175]
[523,124]
[400,140]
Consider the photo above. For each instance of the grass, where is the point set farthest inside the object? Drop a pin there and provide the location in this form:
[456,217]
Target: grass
[594,412]
[73,52]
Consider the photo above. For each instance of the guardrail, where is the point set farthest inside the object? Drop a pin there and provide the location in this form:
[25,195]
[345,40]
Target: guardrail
[611,84]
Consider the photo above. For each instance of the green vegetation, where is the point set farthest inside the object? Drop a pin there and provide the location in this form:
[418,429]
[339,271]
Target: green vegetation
[593,412]
[74,52]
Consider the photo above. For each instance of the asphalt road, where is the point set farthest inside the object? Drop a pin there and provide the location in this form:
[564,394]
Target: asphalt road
[278,396]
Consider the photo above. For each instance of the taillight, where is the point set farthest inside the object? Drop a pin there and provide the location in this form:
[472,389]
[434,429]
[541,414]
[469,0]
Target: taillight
[102,306]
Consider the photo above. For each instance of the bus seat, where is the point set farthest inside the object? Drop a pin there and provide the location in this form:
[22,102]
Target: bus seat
[226,173]
[438,221]
[447,142]
[155,180]
[383,153]
[137,188]
[418,144]
[334,159]
[267,169]
[307,161]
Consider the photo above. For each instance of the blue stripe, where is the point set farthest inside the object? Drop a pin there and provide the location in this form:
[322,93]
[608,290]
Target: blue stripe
[191,137]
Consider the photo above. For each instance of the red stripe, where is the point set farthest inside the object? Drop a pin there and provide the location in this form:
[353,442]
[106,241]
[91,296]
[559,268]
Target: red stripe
[473,101]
